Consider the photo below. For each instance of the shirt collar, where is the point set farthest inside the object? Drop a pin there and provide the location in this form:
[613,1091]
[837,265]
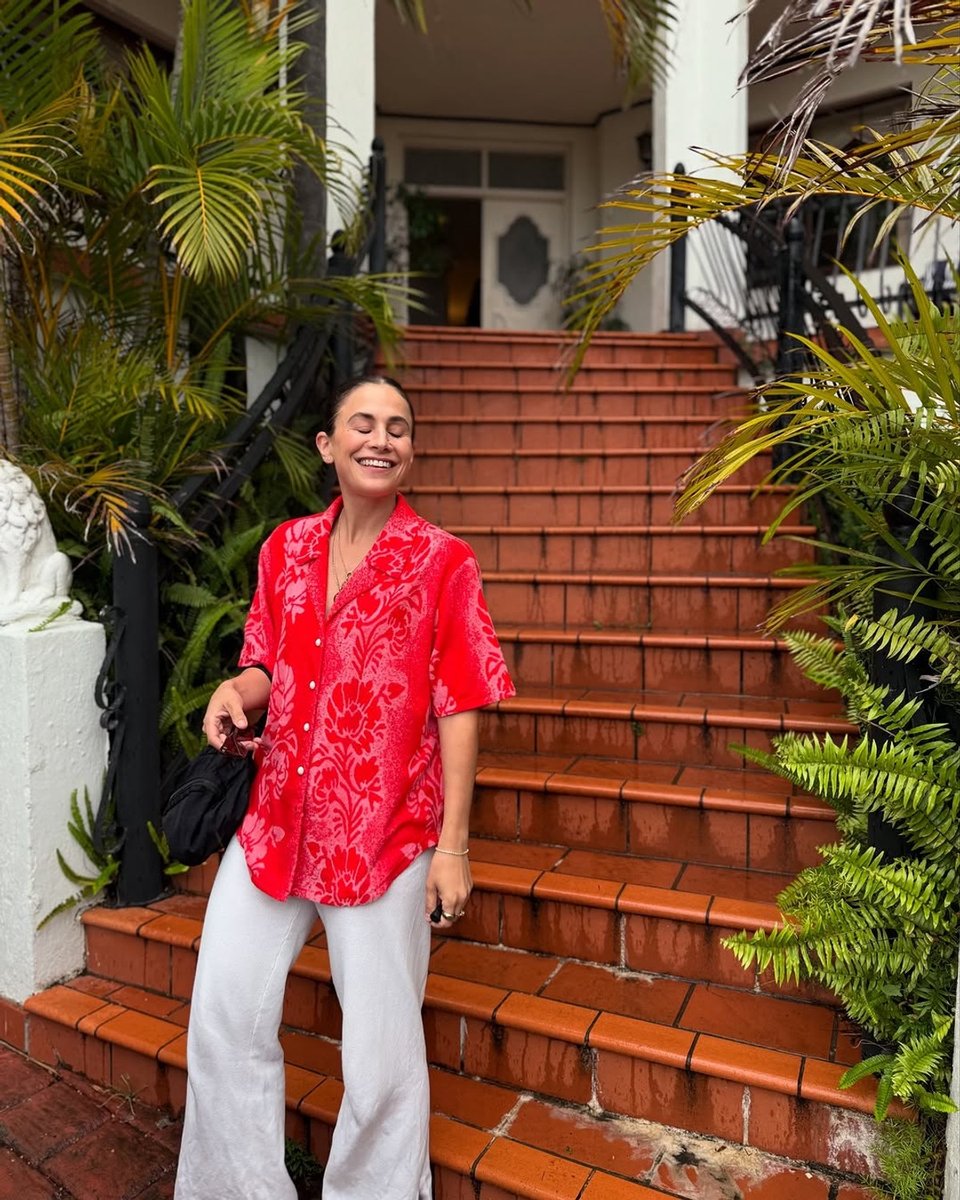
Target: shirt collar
[389,553]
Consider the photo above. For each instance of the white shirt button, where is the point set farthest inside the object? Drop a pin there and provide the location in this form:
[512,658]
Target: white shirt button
[299,770]
[306,727]
[313,684]
[318,641]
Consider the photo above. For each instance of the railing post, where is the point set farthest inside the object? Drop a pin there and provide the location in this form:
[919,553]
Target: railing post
[340,263]
[137,665]
[678,271]
[378,187]
[792,287]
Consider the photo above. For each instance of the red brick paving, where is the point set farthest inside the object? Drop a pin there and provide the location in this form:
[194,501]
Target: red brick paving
[62,1138]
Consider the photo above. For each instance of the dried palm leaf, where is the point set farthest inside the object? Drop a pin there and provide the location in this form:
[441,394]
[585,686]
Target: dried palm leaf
[833,36]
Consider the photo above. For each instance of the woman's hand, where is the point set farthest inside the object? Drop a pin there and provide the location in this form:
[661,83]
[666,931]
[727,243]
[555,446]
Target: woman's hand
[449,884]
[228,715]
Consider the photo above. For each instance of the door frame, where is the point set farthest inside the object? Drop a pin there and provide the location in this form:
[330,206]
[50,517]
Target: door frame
[485,192]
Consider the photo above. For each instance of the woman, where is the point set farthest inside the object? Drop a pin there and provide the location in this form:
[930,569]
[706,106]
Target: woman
[370,647]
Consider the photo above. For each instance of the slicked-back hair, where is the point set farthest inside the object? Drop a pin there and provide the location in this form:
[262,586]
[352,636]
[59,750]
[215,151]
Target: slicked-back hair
[350,386]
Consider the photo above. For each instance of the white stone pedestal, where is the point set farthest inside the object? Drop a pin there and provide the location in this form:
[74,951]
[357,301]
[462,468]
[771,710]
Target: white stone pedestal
[51,743]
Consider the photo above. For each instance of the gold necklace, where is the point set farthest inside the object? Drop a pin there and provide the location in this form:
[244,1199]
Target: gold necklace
[338,550]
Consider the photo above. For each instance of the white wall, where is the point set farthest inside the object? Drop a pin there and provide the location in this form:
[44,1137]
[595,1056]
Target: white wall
[350,83]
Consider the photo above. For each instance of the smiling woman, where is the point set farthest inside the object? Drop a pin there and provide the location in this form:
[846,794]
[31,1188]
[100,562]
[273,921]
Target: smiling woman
[370,647]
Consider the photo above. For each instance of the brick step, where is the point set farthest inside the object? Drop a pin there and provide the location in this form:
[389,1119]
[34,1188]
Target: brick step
[654,504]
[551,468]
[486,1138]
[678,372]
[562,432]
[547,1022]
[634,372]
[552,348]
[656,548]
[713,603]
[712,817]
[649,727]
[562,656]
[584,399]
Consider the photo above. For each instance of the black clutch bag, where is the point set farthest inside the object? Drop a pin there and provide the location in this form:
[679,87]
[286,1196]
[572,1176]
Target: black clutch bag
[205,804]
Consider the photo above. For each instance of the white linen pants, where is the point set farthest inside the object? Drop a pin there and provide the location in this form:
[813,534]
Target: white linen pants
[233,1131]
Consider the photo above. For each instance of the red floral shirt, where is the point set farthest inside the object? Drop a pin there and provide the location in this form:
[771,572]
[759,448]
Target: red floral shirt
[349,788]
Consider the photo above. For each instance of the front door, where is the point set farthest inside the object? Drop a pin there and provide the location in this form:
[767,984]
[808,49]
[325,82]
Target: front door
[522,242]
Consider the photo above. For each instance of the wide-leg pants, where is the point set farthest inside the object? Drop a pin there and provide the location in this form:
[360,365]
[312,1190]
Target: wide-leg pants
[233,1133]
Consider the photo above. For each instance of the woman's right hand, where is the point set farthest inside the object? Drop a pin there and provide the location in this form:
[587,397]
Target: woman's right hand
[226,719]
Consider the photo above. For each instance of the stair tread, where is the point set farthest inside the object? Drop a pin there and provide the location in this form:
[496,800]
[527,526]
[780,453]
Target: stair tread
[585,489]
[592,420]
[589,389]
[592,635]
[707,787]
[776,713]
[580,452]
[425,332]
[645,530]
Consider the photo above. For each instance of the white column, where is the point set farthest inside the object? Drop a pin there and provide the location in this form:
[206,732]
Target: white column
[52,744]
[351,82]
[698,104]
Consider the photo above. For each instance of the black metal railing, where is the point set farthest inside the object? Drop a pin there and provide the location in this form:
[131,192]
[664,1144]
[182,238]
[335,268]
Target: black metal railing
[128,690]
[760,282]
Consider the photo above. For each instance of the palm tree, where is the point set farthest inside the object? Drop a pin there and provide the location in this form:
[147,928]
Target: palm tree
[41,91]
[166,231]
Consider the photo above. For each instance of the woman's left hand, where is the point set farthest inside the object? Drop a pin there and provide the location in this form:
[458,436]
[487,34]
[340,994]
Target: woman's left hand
[449,884]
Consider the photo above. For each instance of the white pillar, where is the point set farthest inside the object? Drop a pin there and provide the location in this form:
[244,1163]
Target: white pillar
[351,83]
[52,744]
[698,104]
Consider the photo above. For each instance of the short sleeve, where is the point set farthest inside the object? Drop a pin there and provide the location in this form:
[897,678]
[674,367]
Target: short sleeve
[259,633]
[466,665]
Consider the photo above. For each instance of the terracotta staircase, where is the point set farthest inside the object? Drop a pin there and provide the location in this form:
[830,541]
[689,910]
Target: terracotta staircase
[589,1037]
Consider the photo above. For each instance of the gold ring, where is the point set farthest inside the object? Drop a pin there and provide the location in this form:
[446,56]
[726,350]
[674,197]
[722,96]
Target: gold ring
[448,916]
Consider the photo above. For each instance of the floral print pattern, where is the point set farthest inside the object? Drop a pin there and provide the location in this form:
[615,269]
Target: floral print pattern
[349,787]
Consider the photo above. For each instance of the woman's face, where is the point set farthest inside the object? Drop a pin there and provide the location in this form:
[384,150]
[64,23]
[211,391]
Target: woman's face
[371,445]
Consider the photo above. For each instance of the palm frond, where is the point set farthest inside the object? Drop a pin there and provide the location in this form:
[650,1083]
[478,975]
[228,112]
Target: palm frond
[44,50]
[639,33]
[832,38]
[413,12]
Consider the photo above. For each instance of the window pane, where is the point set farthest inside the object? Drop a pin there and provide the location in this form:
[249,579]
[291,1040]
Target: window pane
[541,172]
[449,168]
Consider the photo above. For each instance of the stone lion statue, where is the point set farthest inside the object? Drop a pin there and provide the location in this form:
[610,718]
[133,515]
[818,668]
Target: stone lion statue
[34,575]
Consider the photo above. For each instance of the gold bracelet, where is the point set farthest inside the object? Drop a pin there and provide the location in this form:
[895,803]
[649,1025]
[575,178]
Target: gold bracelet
[455,853]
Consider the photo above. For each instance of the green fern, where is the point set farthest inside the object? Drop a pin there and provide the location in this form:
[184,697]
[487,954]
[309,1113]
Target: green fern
[105,862]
